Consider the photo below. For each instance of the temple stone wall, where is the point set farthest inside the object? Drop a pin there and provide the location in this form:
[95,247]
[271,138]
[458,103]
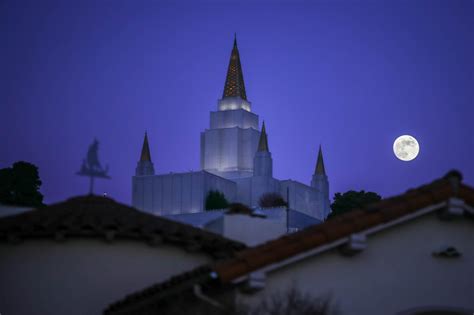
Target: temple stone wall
[176,193]
[229,152]
[303,198]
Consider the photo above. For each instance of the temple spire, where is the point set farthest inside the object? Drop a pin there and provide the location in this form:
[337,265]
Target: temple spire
[263,142]
[145,156]
[262,161]
[320,170]
[234,83]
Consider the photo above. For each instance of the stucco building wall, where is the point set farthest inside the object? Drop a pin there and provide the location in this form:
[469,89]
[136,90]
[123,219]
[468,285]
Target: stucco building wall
[396,272]
[247,229]
[78,277]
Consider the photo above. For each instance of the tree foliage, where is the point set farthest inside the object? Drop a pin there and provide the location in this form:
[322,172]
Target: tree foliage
[351,200]
[271,200]
[20,184]
[216,200]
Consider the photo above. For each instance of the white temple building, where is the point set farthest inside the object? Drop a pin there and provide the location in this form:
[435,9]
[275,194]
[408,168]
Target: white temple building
[235,160]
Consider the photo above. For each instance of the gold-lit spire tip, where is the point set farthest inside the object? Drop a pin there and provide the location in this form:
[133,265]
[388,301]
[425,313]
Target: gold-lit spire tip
[234,83]
[320,170]
[145,155]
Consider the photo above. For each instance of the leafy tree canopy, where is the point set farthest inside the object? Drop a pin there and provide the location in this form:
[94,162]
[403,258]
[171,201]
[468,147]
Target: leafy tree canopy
[216,200]
[351,200]
[20,184]
[271,200]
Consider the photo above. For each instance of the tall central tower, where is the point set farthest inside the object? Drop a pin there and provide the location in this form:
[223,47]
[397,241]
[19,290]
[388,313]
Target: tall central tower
[228,147]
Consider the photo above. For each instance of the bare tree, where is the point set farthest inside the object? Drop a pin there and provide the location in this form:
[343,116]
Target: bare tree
[293,302]
[270,200]
[288,302]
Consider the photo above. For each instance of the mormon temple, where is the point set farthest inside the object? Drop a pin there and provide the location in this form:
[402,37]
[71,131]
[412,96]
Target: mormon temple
[235,160]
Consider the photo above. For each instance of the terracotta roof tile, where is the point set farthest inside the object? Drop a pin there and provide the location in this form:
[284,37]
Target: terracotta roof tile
[358,220]
[286,250]
[336,230]
[103,218]
[314,239]
[442,193]
[418,200]
[370,219]
[395,211]
[131,304]
[349,216]
[467,193]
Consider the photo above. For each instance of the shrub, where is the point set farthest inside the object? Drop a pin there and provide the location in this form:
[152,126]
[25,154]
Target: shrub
[216,200]
[271,200]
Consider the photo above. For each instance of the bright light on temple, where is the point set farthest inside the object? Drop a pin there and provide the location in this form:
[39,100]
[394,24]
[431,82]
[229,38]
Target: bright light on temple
[233,103]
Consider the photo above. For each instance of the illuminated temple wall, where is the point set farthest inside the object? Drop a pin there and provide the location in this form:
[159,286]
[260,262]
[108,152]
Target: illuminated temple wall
[180,193]
[304,198]
[228,147]
[176,193]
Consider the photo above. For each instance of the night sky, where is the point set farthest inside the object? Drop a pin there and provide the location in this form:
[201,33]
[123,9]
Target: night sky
[350,75]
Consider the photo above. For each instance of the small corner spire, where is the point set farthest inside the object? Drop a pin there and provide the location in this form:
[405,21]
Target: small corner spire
[320,170]
[145,156]
[235,40]
[263,142]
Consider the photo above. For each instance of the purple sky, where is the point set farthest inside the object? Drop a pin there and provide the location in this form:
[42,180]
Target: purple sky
[351,75]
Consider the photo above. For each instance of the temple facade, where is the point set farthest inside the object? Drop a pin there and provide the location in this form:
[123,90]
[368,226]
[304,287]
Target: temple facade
[235,160]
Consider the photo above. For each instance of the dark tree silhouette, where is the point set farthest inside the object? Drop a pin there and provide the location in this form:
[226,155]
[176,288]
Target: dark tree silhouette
[216,200]
[351,200]
[19,185]
[270,200]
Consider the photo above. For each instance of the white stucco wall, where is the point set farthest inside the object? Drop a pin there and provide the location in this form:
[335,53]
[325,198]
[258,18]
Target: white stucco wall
[395,273]
[80,277]
[247,229]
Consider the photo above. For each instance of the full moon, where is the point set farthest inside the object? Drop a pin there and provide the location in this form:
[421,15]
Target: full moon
[406,148]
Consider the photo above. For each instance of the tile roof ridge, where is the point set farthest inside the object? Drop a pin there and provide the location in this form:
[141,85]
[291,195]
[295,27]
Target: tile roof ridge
[160,290]
[380,212]
[97,217]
